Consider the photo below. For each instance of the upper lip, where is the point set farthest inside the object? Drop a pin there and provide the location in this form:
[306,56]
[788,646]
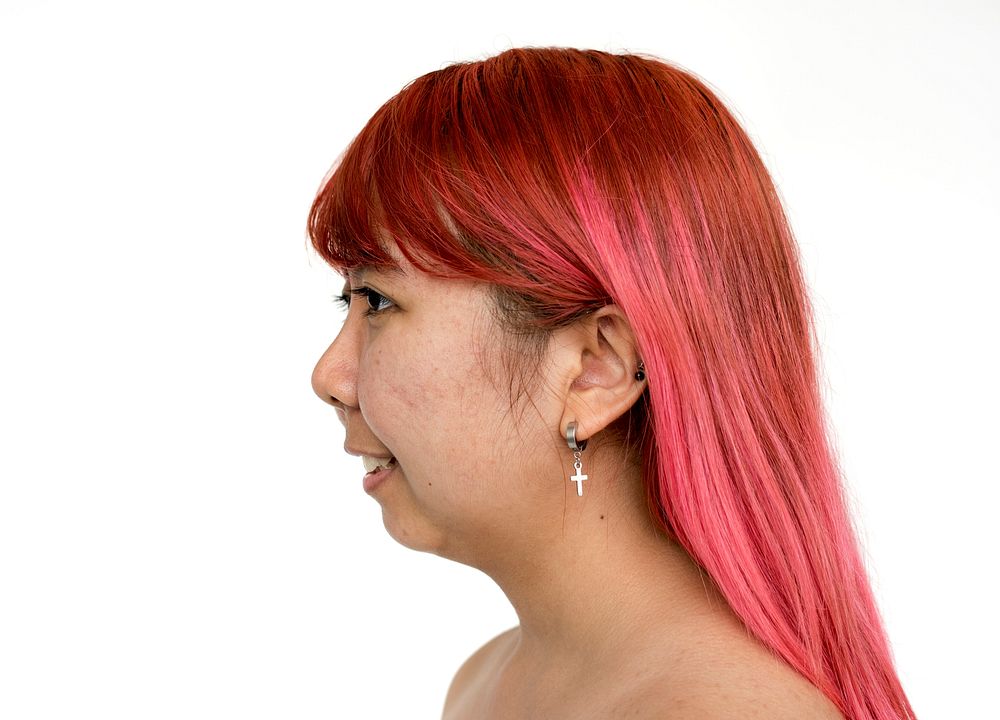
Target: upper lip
[369,453]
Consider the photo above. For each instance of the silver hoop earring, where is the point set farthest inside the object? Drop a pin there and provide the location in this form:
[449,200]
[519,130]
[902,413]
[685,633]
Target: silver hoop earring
[577,449]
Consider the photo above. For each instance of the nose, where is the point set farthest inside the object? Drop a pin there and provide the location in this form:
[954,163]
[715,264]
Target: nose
[335,377]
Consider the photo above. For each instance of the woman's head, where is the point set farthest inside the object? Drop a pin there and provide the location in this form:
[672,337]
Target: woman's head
[561,214]
[564,181]
[435,204]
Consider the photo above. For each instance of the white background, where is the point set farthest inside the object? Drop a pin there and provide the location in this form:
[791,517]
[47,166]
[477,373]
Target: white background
[181,534]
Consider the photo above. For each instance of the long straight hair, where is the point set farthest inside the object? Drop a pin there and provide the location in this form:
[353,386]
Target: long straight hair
[566,179]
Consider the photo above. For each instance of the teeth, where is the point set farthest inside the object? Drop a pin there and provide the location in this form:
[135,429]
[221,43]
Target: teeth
[374,463]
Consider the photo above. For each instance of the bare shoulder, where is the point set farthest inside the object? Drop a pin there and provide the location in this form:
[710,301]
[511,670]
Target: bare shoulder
[745,682]
[473,669]
[768,689]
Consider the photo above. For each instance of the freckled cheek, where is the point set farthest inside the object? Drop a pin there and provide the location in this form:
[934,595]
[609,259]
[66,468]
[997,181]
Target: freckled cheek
[411,402]
[393,397]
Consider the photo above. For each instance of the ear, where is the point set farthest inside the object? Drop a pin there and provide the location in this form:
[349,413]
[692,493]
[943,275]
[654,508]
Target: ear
[601,357]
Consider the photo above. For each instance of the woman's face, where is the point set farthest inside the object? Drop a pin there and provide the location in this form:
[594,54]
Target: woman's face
[408,382]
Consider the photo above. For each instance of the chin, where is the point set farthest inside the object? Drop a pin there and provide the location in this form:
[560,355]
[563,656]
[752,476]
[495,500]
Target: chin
[412,533]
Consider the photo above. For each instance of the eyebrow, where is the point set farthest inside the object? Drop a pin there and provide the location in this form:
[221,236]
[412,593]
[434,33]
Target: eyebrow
[390,270]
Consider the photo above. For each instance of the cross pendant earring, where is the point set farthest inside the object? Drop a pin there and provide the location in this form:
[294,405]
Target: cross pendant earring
[578,478]
[577,448]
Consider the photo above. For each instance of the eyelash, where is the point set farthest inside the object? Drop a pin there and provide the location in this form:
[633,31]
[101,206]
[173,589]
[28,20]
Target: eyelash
[344,300]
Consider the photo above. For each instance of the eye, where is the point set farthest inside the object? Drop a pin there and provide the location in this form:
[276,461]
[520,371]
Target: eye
[344,300]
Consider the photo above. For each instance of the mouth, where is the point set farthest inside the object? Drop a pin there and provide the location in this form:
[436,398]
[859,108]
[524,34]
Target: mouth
[378,470]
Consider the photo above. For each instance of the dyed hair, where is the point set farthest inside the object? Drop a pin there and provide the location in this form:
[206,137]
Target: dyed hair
[568,179]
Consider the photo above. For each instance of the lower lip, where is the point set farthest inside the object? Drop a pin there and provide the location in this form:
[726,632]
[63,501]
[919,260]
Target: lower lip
[373,479]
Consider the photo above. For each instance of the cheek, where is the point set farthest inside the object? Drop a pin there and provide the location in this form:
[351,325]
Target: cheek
[431,405]
[414,398]
[381,393]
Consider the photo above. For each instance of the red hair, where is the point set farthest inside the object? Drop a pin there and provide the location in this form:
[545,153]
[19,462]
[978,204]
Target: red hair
[566,179]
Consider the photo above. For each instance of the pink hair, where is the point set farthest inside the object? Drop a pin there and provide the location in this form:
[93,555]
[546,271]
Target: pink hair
[572,178]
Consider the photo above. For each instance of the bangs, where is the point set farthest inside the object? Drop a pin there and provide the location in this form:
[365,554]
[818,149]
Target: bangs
[388,187]
[463,191]
[346,214]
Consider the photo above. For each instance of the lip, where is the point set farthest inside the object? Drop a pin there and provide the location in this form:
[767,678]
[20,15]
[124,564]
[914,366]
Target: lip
[371,453]
[374,479]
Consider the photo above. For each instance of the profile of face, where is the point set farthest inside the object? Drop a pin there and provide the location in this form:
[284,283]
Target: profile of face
[409,381]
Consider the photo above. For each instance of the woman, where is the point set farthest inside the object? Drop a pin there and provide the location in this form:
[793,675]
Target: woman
[580,353]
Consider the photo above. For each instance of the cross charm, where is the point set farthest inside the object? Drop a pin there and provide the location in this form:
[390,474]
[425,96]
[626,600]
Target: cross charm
[578,479]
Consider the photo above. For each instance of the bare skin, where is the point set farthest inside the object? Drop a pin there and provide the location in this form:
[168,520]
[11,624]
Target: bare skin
[674,651]
[730,679]
[615,619]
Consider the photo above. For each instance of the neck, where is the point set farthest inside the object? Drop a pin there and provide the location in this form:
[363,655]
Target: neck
[596,583]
